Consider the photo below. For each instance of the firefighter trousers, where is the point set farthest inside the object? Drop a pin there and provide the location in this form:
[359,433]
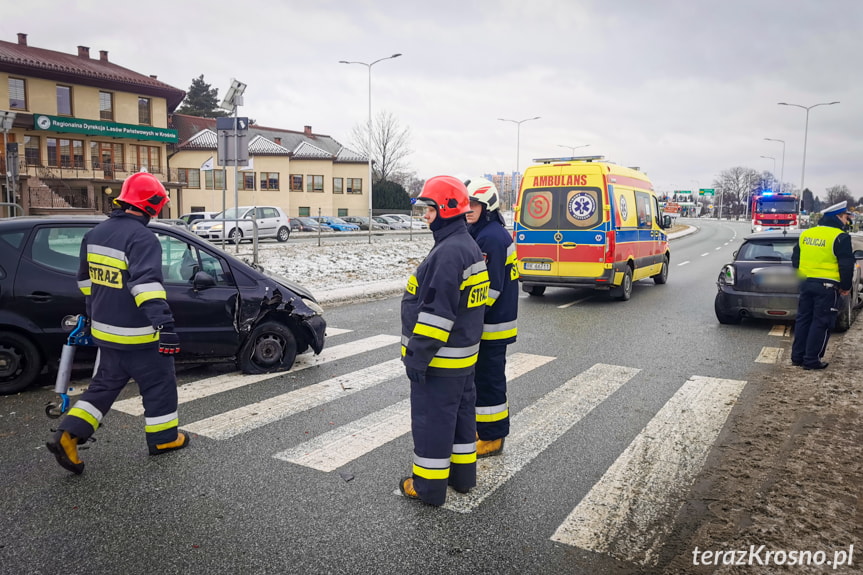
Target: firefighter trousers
[444,432]
[492,409]
[816,314]
[154,374]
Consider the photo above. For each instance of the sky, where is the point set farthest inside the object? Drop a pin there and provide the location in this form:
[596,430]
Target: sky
[684,89]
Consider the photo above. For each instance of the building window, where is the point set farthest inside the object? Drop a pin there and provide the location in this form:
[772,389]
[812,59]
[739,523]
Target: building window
[339,186]
[305,212]
[146,158]
[17,94]
[106,156]
[355,185]
[247,181]
[33,150]
[144,116]
[342,212]
[296,183]
[106,106]
[269,180]
[315,184]
[191,177]
[64,100]
[214,179]
[65,153]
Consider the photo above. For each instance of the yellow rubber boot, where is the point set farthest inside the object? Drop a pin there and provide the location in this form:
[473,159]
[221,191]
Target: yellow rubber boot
[179,443]
[64,446]
[489,448]
[406,486]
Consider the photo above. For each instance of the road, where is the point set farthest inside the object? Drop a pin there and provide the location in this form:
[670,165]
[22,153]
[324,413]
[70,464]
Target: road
[615,407]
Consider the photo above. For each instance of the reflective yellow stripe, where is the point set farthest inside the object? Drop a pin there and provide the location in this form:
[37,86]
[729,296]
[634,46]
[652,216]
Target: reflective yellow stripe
[463,458]
[489,301]
[427,473]
[124,339]
[451,363]
[489,417]
[86,290]
[161,426]
[148,295]
[432,332]
[107,260]
[81,414]
[492,335]
[475,279]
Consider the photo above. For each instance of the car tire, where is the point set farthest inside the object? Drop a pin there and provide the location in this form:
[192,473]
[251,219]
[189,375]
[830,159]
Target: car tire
[270,347]
[846,315]
[624,291]
[722,315]
[20,362]
[235,236]
[662,277]
[535,290]
[283,234]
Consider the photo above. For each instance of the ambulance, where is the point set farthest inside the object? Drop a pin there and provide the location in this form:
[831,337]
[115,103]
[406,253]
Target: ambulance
[585,222]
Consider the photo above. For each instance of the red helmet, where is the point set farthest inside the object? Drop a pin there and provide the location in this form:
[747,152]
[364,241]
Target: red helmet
[145,192]
[447,194]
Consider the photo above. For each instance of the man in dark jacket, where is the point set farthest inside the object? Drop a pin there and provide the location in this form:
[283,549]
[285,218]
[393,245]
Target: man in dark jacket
[121,275]
[825,261]
[442,316]
[486,226]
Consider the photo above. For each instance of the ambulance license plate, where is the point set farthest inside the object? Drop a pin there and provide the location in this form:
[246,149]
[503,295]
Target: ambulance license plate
[538,266]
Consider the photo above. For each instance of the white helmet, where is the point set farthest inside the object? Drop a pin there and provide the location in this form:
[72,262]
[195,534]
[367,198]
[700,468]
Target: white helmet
[484,192]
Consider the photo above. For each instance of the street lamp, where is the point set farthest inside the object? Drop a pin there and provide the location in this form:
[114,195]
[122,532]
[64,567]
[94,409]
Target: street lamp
[572,149]
[805,136]
[773,173]
[369,152]
[782,169]
[517,150]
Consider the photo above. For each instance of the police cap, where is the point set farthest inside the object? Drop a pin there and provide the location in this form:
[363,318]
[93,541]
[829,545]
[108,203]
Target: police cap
[836,209]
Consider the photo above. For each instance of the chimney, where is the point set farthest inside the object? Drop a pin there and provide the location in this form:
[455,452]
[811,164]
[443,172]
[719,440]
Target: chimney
[308,131]
[154,76]
[22,39]
[103,55]
[278,140]
[84,51]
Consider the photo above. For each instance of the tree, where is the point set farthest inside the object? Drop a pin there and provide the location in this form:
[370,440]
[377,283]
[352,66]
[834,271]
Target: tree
[390,196]
[836,194]
[734,187]
[390,145]
[201,100]
[412,184]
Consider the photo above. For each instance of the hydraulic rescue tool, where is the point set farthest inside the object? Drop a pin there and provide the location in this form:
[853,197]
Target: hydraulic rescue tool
[79,336]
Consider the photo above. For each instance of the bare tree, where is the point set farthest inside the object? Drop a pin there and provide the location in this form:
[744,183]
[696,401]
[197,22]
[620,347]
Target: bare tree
[390,145]
[412,184]
[734,187]
[836,194]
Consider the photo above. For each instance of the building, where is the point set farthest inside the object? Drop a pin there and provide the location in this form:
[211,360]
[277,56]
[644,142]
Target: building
[508,185]
[304,173]
[81,125]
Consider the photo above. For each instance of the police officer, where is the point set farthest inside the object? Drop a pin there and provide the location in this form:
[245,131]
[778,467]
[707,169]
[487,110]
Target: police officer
[121,274]
[826,265]
[487,226]
[442,316]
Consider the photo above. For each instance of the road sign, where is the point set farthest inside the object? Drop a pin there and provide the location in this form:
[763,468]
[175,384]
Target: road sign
[706,191]
[682,191]
[228,124]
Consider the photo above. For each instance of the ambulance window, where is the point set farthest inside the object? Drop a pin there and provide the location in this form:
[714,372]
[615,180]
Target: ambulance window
[537,209]
[582,207]
[644,208]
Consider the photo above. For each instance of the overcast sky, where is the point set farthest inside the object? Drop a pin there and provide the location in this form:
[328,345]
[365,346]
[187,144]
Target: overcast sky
[682,88]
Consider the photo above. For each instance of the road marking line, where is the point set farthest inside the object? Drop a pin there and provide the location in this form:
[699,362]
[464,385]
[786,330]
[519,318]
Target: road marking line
[780,330]
[769,355]
[719,248]
[572,303]
[683,263]
[228,381]
[334,331]
[539,425]
[705,254]
[628,512]
[340,446]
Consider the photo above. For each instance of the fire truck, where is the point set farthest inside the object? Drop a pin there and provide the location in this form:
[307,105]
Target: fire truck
[775,211]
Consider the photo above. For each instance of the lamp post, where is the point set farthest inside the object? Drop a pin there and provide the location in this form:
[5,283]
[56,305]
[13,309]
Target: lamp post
[572,149]
[369,151]
[517,151]
[805,137]
[782,169]
[773,173]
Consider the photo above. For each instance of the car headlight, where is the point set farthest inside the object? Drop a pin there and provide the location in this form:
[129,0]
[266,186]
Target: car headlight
[217,228]
[727,275]
[314,306]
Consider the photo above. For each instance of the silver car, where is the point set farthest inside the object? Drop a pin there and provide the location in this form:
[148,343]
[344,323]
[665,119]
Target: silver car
[238,224]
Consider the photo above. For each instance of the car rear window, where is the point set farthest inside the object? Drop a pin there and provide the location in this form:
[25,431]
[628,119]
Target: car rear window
[14,239]
[767,250]
[58,248]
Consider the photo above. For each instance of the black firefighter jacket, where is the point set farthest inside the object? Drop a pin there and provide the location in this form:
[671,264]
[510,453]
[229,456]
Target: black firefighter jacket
[502,304]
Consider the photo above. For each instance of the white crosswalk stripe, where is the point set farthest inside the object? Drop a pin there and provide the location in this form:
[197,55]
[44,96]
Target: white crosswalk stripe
[629,511]
[769,355]
[234,380]
[341,446]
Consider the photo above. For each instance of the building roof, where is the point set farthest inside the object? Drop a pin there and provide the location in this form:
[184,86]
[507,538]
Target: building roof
[81,69]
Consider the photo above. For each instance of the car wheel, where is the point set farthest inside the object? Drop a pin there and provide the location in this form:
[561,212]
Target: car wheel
[283,235]
[270,347]
[535,290]
[236,236]
[722,315]
[624,291]
[662,277]
[20,362]
[846,315]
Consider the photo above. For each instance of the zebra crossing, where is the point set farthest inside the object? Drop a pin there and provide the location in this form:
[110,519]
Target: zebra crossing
[647,481]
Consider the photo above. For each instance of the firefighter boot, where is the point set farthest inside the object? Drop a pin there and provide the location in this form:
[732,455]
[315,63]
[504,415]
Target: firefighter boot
[406,486]
[489,448]
[64,446]
[179,443]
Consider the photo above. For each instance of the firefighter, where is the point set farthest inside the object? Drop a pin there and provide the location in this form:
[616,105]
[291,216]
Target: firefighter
[442,316]
[487,226]
[121,274]
[826,263]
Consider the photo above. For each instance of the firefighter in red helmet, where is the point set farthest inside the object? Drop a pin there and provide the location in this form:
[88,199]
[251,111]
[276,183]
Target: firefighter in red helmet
[120,273]
[442,317]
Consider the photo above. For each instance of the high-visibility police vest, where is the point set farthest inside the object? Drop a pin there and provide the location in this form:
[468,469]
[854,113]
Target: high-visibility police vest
[817,259]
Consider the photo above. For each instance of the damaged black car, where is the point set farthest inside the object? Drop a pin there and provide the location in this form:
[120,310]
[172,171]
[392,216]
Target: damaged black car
[225,309]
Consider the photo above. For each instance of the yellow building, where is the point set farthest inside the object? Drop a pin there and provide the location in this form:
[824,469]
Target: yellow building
[81,126]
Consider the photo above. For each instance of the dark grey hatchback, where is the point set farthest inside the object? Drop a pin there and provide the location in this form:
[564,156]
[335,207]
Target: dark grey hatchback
[225,310]
[762,283]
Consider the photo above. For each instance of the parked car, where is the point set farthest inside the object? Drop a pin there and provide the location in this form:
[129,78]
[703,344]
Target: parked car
[395,223]
[224,309]
[306,224]
[236,224]
[762,283]
[337,224]
[411,222]
[363,223]
[173,222]
[193,217]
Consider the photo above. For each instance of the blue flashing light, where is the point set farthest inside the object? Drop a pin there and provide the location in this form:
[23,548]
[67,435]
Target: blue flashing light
[767,192]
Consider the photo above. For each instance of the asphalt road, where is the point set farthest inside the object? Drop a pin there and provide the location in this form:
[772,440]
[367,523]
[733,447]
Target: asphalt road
[615,406]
